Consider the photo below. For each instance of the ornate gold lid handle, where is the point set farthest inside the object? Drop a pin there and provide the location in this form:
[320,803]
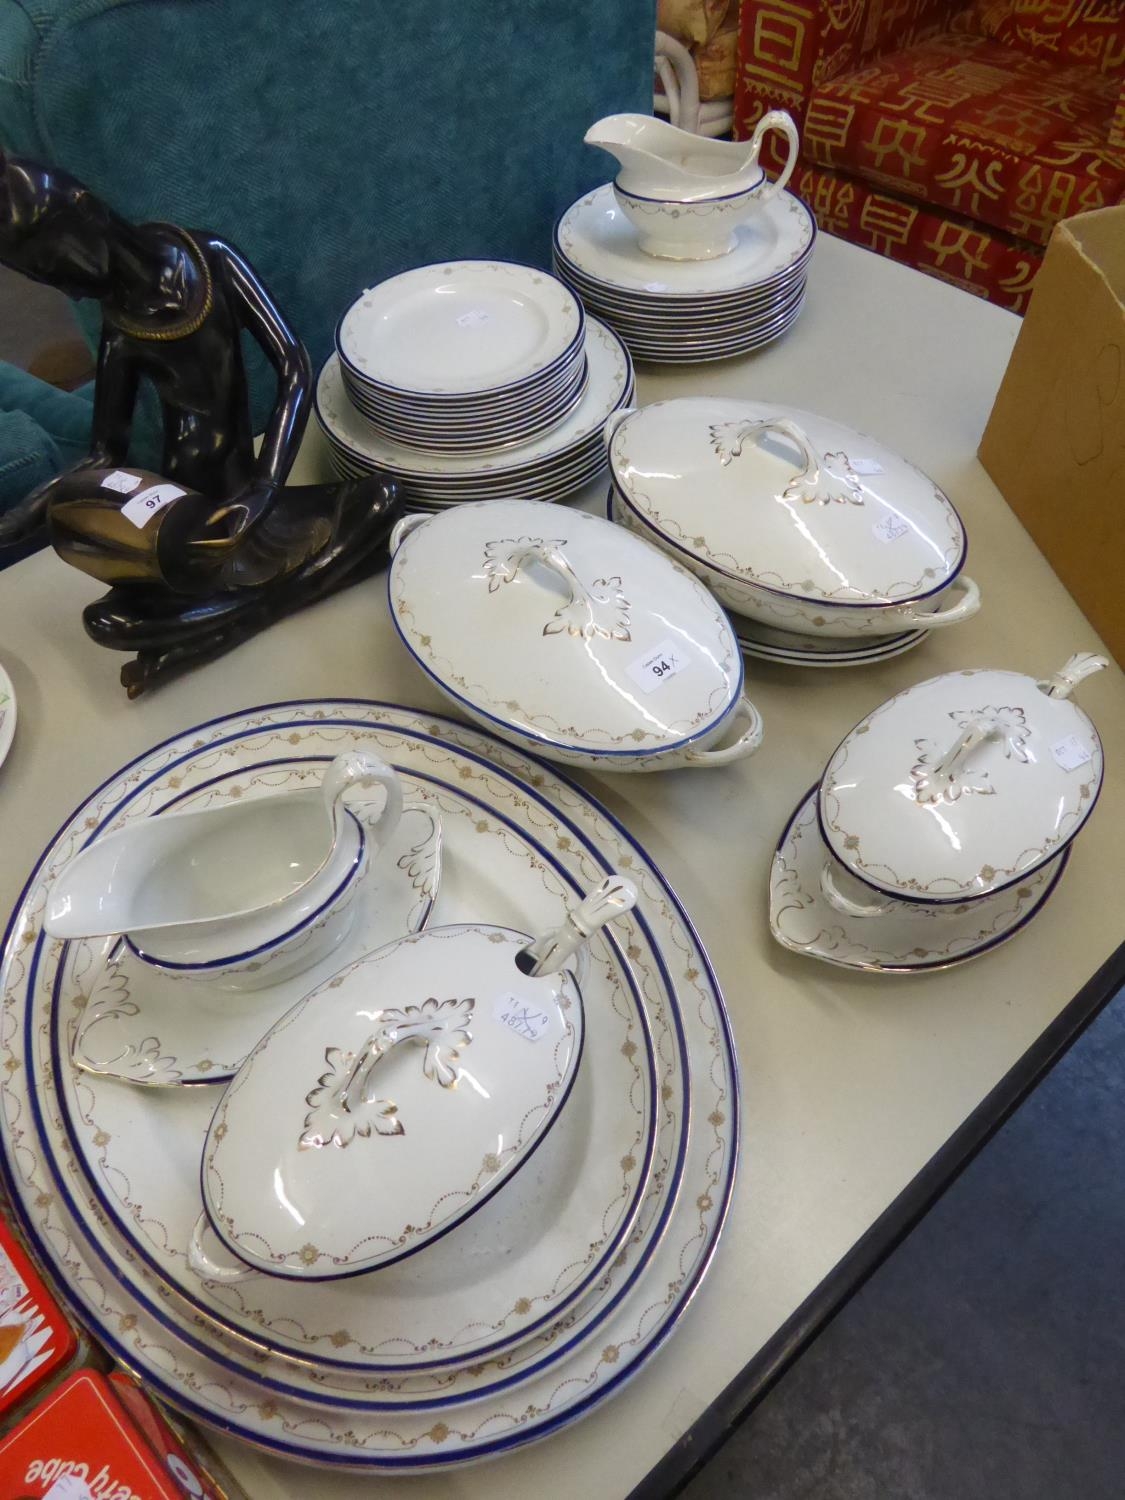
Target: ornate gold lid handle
[933,782]
[823,478]
[585,612]
[1070,674]
[549,953]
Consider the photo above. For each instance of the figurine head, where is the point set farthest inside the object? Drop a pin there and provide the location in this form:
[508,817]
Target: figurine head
[54,229]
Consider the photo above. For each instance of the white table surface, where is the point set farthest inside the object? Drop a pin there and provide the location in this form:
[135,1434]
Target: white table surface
[852,1082]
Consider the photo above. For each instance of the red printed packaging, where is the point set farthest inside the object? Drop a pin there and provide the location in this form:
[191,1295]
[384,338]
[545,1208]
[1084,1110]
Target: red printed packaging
[36,1340]
[79,1444]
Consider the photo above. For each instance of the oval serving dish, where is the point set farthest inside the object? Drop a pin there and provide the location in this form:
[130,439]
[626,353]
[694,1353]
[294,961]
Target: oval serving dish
[570,637]
[791,519]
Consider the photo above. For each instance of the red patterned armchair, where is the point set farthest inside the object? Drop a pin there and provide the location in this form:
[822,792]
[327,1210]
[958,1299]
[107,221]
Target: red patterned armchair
[951,136]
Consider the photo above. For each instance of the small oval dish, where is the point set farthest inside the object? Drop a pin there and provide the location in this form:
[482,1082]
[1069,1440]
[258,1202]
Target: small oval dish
[790,519]
[958,788]
[240,895]
[570,637]
[395,1099]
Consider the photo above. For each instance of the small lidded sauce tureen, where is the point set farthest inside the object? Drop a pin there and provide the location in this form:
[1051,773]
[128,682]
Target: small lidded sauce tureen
[960,786]
[395,1099]
[570,637]
[790,519]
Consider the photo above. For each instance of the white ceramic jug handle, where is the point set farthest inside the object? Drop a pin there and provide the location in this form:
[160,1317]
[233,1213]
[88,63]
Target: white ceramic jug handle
[402,529]
[614,421]
[1070,674]
[210,1259]
[357,768]
[952,614]
[844,904]
[816,483]
[776,119]
[547,954]
[747,742]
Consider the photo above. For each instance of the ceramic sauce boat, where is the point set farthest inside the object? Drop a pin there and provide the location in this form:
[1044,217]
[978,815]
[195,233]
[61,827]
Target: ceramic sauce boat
[394,1100]
[241,895]
[684,194]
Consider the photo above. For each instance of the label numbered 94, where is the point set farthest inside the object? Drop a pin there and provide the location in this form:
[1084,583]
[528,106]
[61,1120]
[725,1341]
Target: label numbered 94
[658,666]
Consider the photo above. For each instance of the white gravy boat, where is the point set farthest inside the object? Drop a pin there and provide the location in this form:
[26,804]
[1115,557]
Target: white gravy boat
[229,893]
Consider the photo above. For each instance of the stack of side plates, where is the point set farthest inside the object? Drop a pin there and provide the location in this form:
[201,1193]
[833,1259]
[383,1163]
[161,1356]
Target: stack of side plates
[464,355]
[687,311]
[548,467]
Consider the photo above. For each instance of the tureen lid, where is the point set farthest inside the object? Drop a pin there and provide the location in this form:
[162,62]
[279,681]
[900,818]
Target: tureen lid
[563,625]
[787,500]
[396,1098]
[964,784]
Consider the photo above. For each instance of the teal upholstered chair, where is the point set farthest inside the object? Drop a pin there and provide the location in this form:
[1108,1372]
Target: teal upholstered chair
[335,142]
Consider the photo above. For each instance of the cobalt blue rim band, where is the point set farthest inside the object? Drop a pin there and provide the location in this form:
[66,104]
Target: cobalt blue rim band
[272,943]
[692,202]
[123,1228]
[565,1418]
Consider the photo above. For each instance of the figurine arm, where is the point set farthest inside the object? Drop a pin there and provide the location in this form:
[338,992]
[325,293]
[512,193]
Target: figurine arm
[290,360]
[115,392]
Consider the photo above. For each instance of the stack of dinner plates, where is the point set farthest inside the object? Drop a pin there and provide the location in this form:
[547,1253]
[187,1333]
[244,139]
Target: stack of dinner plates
[688,311]
[548,466]
[464,356]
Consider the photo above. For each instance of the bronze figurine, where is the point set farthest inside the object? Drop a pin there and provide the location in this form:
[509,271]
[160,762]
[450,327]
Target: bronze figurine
[237,548]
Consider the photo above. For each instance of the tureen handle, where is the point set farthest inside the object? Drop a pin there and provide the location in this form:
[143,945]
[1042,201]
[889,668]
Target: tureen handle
[843,903]
[356,768]
[547,954]
[952,614]
[1070,674]
[210,1259]
[934,783]
[402,529]
[585,612]
[747,742]
[775,119]
[614,421]
[824,478]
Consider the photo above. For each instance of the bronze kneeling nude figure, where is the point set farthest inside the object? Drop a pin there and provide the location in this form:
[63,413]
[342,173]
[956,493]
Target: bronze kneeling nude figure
[221,546]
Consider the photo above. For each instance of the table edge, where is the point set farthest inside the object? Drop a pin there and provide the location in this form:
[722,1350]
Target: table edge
[757,1378]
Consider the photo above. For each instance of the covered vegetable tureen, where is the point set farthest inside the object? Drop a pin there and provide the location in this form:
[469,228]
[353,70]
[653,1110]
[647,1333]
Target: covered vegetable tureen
[789,518]
[394,1100]
[962,785]
[570,637]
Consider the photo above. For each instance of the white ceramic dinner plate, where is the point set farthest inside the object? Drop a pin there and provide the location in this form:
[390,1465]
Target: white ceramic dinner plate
[675,311]
[483,409]
[151,1028]
[460,327]
[7,714]
[594,236]
[323,1426]
[610,373]
[906,940]
[676,352]
[738,319]
[479,437]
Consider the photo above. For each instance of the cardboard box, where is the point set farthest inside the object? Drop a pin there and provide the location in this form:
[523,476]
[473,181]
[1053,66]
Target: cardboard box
[1055,442]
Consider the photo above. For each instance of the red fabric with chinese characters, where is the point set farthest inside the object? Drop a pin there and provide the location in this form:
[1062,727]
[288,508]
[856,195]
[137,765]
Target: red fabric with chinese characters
[967,124]
[952,137]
